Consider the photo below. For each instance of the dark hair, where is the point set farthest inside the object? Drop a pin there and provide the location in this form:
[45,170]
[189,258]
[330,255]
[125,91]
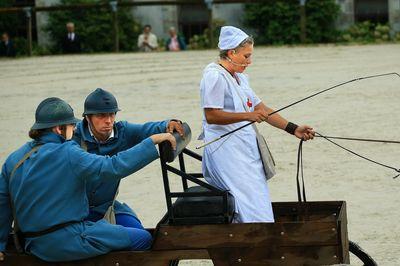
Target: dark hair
[147,26]
[35,134]
[224,53]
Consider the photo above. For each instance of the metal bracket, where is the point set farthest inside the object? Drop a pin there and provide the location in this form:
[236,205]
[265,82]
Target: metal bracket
[114,6]
[28,11]
[209,3]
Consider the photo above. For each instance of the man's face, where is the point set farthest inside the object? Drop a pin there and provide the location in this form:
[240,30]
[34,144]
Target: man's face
[146,30]
[70,28]
[102,124]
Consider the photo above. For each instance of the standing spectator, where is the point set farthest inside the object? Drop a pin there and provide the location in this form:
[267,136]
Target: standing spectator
[175,42]
[71,42]
[147,41]
[6,46]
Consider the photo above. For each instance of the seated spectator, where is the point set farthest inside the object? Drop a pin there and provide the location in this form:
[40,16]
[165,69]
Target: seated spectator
[175,42]
[6,46]
[147,41]
[71,42]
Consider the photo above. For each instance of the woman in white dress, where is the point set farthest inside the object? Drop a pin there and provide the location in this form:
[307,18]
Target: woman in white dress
[234,163]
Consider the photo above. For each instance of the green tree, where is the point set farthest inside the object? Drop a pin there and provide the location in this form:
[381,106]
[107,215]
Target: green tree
[278,21]
[94,27]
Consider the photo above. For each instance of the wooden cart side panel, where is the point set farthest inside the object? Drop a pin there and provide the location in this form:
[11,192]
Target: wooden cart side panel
[246,235]
[316,206]
[291,256]
[123,258]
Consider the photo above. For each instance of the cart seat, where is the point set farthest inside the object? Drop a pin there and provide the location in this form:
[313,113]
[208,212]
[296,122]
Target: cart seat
[203,209]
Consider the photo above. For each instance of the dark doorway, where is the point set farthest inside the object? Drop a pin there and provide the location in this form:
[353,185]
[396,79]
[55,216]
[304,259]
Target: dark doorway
[376,11]
[193,20]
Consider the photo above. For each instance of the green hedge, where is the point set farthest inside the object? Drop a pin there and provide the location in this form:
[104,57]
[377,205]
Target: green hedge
[368,32]
[278,21]
[94,26]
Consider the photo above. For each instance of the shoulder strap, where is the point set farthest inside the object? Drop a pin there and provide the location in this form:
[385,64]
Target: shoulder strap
[24,158]
[246,108]
[19,163]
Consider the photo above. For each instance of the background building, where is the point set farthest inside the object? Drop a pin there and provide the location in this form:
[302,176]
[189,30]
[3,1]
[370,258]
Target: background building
[191,20]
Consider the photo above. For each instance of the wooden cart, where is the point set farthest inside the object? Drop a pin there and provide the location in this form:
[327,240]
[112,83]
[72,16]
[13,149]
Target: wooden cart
[198,226]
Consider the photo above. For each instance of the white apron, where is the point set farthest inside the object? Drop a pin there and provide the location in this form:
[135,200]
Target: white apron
[233,163]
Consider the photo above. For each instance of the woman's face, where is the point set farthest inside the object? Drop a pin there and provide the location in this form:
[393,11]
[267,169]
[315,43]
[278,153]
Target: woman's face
[241,57]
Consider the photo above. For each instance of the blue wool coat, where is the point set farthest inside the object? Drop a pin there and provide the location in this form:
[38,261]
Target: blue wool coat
[50,188]
[126,135]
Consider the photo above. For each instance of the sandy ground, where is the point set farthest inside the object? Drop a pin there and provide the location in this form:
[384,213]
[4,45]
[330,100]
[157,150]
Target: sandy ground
[157,86]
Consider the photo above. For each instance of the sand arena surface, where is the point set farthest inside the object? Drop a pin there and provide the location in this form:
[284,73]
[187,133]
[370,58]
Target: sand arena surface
[158,86]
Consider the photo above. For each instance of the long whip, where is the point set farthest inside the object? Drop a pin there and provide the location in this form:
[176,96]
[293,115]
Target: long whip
[294,103]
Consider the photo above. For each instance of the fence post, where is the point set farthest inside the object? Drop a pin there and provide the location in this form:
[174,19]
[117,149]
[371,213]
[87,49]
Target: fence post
[209,4]
[303,21]
[114,10]
[28,14]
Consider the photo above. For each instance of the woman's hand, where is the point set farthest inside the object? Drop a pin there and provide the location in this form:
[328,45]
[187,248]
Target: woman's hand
[304,132]
[158,138]
[258,115]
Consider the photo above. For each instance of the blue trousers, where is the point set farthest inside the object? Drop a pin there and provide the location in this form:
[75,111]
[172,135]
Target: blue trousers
[141,239]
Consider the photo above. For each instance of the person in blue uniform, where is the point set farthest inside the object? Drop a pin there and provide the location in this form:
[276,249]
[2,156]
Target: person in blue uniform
[98,133]
[47,190]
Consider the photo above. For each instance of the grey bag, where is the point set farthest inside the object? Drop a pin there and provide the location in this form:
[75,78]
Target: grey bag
[265,154]
[109,216]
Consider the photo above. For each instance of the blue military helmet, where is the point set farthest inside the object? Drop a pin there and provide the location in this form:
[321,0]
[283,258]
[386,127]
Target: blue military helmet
[53,112]
[99,102]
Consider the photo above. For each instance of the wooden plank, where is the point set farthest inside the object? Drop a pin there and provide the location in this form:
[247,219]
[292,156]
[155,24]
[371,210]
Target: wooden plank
[344,238]
[115,30]
[142,258]
[126,4]
[29,31]
[246,235]
[312,255]
[303,22]
[284,208]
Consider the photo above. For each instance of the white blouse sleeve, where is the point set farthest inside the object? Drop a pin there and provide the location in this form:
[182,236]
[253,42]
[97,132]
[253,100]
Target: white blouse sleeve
[213,88]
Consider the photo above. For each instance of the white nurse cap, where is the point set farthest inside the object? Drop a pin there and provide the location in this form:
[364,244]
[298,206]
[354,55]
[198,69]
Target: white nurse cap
[230,37]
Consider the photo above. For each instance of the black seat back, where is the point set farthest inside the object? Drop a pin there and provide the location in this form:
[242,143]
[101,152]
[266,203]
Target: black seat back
[201,204]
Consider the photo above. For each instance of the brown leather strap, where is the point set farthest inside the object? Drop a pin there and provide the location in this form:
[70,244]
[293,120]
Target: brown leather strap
[20,162]
[26,156]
